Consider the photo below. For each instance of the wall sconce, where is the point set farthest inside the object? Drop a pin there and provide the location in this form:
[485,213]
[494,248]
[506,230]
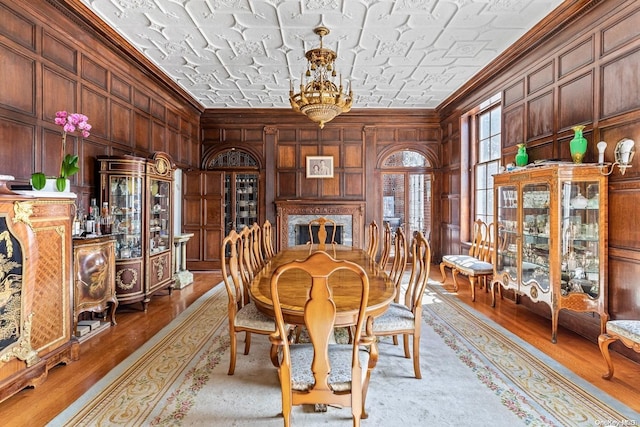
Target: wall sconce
[625,149]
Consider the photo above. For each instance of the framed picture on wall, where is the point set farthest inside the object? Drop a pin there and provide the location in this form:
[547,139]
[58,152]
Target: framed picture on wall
[319,166]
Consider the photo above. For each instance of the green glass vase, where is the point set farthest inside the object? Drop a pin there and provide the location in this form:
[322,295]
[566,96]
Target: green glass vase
[578,145]
[522,158]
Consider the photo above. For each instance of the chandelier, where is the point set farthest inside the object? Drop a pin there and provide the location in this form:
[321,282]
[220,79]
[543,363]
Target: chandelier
[320,99]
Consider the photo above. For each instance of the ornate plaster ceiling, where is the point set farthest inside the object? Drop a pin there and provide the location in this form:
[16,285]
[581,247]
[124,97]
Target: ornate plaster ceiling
[395,53]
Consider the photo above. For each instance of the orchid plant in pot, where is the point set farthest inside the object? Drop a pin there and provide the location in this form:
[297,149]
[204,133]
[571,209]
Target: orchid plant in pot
[69,164]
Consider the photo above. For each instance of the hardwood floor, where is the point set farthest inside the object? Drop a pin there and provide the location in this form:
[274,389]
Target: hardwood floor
[36,407]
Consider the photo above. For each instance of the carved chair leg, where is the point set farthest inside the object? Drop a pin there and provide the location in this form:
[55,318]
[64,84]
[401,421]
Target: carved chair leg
[405,340]
[603,342]
[232,356]
[274,353]
[247,342]
[416,354]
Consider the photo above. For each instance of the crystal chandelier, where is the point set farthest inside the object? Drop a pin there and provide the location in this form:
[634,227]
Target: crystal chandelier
[320,99]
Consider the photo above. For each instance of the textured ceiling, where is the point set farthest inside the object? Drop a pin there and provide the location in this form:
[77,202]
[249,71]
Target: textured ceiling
[395,53]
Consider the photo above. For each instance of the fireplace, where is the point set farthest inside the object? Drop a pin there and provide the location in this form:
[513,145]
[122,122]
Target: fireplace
[295,215]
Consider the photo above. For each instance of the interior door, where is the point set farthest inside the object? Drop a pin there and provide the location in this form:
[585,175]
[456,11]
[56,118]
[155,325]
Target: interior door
[203,215]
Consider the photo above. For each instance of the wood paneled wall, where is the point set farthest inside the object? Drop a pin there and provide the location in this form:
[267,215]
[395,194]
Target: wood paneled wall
[358,142]
[584,71]
[53,60]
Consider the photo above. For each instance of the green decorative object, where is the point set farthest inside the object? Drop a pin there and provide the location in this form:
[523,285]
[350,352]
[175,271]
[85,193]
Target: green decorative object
[522,158]
[578,144]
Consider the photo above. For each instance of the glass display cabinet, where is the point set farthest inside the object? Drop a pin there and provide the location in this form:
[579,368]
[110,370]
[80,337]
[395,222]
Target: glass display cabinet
[159,223]
[241,200]
[138,192]
[551,242]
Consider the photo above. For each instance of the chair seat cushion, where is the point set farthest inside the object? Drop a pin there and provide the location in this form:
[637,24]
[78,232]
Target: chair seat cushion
[339,358]
[467,264]
[250,317]
[397,318]
[629,329]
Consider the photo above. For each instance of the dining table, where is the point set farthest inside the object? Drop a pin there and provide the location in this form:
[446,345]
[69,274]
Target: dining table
[294,285]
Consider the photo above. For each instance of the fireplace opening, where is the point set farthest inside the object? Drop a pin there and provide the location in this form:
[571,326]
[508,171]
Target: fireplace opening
[302,233]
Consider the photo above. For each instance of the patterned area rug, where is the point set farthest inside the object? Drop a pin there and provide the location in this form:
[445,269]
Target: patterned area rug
[474,373]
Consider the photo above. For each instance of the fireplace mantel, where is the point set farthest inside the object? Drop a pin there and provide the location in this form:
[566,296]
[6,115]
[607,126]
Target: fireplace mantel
[353,210]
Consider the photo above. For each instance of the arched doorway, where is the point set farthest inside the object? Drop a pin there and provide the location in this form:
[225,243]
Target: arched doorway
[407,192]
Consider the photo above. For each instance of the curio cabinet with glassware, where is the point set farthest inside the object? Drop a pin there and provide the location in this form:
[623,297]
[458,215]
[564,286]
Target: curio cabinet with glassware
[241,200]
[551,237]
[140,200]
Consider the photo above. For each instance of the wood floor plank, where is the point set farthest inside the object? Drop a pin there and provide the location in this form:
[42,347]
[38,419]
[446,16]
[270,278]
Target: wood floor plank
[36,407]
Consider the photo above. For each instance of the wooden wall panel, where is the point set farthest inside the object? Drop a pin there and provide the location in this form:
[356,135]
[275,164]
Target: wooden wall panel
[540,78]
[17,94]
[286,156]
[621,31]
[620,89]
[94,72]
[16,142]
[540,116]
[58,52]
[120,88]
[577,57]
[353,156]
[18,28]
[142,132]
[120,122]
[513,131]
[514,93]
[94,105]
[575,103]
[158,137]
[59,92]
[286,185]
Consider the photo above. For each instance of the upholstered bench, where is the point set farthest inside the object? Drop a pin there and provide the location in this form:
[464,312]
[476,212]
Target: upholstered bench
[627,331]
[477,263]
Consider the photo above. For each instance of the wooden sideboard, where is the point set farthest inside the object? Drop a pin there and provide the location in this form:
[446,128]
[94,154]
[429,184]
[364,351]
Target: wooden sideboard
[35,289]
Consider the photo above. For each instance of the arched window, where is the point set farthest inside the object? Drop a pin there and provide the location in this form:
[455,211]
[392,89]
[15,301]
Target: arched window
[232,159]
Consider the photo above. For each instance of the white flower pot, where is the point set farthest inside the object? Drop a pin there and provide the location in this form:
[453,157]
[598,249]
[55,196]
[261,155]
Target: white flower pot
[50,186]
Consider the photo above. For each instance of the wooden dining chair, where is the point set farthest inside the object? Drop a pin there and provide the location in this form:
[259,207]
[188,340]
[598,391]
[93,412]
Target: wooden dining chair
[372,240]
[386,246]
[243,315]
[322,372]
[322,232]
[267,240]
[257,246]
[405,318]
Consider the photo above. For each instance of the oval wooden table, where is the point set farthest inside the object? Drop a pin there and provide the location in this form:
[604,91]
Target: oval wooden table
[294,286]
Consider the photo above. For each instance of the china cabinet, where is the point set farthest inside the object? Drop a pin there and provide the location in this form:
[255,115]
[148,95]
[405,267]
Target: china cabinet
[552,232]
[139,195]
[36,295]
[241,200]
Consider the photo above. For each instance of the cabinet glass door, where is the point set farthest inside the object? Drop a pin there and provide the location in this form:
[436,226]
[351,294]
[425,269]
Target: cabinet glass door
[159,216]
[507,241]
[535,235]
[580,238]
[125,194]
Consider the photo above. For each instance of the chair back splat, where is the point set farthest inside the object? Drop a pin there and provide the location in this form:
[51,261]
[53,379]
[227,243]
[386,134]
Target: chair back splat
[372,240]
[322,232]
[323,372]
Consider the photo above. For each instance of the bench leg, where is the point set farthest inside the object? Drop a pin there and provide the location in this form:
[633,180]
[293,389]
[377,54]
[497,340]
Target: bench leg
[603,342]
[472,281]
[454,274]
[443,272]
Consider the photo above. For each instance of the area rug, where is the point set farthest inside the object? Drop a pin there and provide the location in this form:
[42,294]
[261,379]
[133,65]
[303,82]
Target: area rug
[474,373]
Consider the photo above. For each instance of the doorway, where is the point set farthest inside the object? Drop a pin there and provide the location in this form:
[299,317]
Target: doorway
[407,193]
